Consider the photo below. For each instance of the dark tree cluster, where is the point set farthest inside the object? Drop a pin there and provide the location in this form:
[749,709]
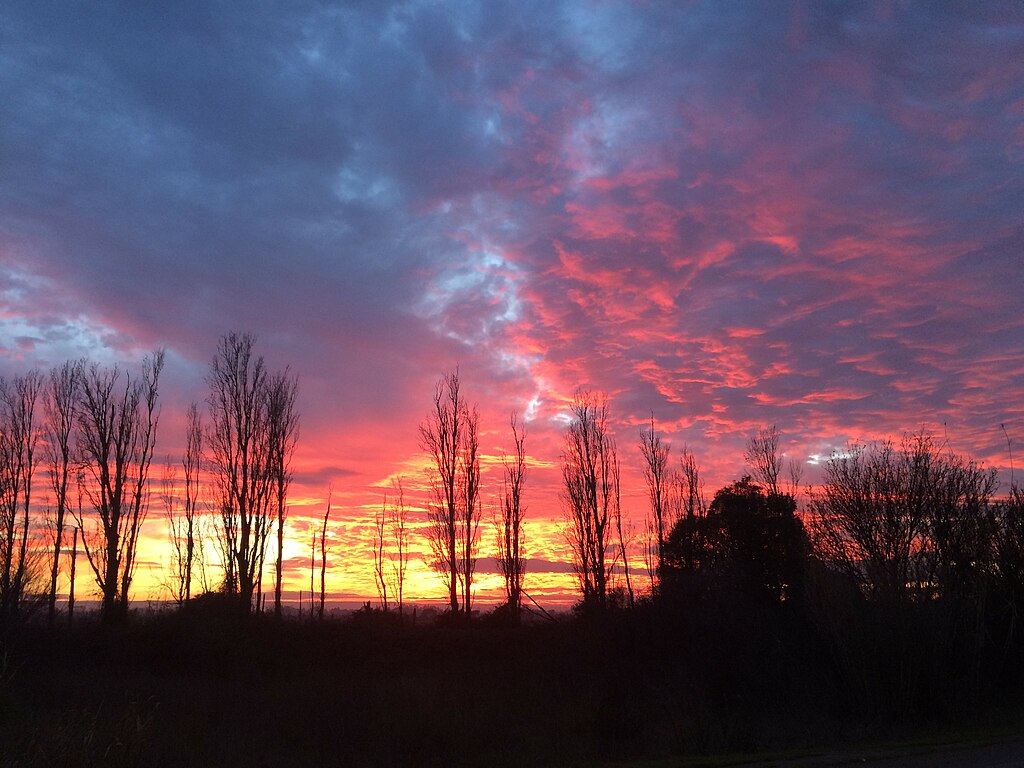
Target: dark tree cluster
[903,575]
[92,431]
[251,434]
[95,429]
[450,436]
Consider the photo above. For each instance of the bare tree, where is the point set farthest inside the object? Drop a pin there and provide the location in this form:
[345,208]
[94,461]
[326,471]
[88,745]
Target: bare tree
[176,579]
[191,463]
[904,520]
[71,580]
[323,559]
[61,408]
[692,507]
[450,436]
[869,515]
[796,476]
[398,516]
[182,511]
[440,436]
[19,438]
[587,461]
[238,437]
[380,574]
[959,527]
[283,424]
[510,526]
[691,486]
[391,547]
[117,434]
[1007,518]
[659,482]
[623,539]
[469,491]
[763,457]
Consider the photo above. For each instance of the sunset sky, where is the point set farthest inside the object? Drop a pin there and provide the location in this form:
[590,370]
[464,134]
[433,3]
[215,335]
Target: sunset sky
[728,214]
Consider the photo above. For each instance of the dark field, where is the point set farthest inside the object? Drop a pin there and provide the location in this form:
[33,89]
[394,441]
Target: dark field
[199,689]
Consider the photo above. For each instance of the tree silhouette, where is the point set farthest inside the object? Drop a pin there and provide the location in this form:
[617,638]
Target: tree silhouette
[380,558]
[61,408]
[748,538]
[117,434]
[469,492]
[391,547]
[283,432]
[959,526]
[510,525]
[588,463]
[250,436]
[450,436]
[184,526]
[1007,524]
[903,520]
[624,539]
[323,559]
[398,517]
[19,438]
[691,486]
[659,485]
[763,457]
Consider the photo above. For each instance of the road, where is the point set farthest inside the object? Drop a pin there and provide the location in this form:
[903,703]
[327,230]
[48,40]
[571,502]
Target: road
[1009,754]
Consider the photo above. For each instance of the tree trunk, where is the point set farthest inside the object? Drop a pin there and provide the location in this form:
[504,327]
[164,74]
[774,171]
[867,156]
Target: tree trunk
[71,588]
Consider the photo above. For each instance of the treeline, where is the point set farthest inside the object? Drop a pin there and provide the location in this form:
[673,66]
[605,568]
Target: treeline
[94,429]
[894,585]
[908,523]
[91,431]
[766,614]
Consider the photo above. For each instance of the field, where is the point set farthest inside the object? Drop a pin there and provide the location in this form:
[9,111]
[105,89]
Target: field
[197,688]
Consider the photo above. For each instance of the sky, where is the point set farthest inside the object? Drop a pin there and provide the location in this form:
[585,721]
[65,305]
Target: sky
[725,214]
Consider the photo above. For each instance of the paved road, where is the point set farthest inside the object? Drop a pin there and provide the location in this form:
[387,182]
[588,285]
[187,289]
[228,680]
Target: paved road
[1004,755]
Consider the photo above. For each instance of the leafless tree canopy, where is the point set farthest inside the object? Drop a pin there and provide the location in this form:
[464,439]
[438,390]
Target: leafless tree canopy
[450,436]
[903,519]
[283,424]
[19,439]
[250,436]
[398,517]
[391,547]
[184,524]
[690,510]
[380,559]
[1007,518]
[692,502]
[61,408]
[323,560]
[624,533]
[659,485]
[510,526]
[588,464]
[117,434]
[763,457]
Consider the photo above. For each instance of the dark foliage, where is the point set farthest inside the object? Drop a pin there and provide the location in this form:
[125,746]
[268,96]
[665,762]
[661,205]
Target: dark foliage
[749,540]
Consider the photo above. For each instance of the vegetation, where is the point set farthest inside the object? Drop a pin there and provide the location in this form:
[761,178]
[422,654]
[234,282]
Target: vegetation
[713,673]
[892,603]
